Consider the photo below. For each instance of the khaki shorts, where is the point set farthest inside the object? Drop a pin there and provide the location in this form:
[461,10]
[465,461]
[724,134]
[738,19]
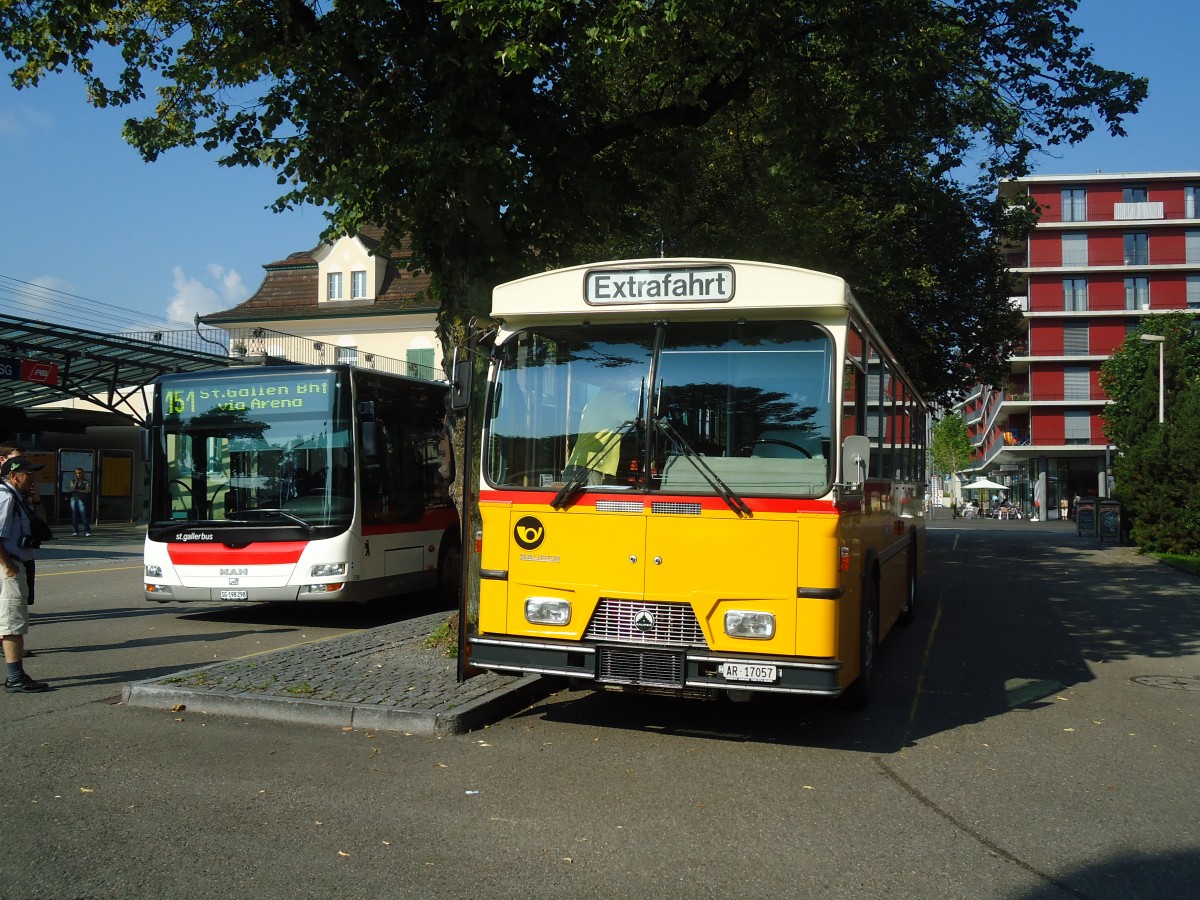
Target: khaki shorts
[14,605]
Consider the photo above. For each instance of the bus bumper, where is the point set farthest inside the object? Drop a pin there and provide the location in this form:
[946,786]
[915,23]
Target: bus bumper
[682,669]
[175,593]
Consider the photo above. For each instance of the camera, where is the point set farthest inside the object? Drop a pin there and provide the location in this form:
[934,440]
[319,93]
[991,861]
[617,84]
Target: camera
[29,542]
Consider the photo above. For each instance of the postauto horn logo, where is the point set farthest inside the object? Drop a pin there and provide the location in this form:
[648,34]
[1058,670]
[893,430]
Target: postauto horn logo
[529,533]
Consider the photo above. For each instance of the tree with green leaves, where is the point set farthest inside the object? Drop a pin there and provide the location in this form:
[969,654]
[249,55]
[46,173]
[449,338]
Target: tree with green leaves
[1157,467]
[950,448]
[507,136]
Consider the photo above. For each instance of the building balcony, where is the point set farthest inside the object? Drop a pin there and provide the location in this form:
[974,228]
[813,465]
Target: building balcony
[1111,262]
[1040,397]
[1156,211]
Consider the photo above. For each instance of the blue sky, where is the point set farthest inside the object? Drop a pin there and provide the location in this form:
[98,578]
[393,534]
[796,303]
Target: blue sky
[138,244]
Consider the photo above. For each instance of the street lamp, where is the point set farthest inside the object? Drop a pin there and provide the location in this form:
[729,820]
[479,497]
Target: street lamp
[1160,340]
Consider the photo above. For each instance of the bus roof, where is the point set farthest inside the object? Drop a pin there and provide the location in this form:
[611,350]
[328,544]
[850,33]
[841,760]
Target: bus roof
[658,286]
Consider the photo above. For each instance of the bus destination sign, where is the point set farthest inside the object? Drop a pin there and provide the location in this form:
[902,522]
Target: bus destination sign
[708,284]
[259,394]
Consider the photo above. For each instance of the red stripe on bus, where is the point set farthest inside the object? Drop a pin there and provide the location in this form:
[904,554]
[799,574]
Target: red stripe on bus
[434,519]
[756,504]
[259,553]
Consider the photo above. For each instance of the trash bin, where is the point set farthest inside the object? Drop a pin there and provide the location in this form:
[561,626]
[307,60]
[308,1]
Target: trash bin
[1108,520]
[1085,517]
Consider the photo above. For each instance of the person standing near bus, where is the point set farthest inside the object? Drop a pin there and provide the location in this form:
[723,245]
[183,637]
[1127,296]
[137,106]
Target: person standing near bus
[11,451]
[79,493]
[16,550]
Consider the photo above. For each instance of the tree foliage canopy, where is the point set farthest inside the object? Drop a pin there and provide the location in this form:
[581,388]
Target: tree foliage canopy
[950,445]
[506,136]
[1157,467]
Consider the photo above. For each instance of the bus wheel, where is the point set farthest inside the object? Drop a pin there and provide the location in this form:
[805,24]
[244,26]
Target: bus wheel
[909,611]
[858,694]
[449,571]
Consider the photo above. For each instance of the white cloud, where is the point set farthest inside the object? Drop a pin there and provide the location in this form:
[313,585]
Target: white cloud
[193,296]
[45,296]
[20,121]
[233,290]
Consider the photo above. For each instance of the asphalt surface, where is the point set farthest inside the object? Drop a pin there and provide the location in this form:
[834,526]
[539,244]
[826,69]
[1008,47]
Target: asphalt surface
[389,678]
[385,678]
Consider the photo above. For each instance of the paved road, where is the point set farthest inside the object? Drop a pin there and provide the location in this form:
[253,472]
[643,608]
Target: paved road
[1010,753]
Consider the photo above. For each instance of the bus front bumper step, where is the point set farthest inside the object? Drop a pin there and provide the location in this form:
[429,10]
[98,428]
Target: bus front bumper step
[657,667]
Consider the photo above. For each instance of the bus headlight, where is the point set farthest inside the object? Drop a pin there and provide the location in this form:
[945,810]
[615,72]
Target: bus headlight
[547,611]
[325,570]
[154,571]
[759,626]
[320,588]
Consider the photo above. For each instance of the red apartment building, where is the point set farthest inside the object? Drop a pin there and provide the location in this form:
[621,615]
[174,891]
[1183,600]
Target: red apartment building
[1109,251]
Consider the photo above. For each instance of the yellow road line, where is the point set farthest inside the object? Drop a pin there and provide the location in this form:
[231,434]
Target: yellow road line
[912,712]
[41,575]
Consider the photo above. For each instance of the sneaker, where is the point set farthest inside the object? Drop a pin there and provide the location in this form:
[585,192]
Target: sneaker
[26,686]
[74,534]
[89,534]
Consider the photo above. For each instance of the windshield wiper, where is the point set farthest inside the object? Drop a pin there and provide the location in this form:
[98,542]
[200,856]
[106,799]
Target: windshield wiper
[307,526]
[732,500]
[577,480]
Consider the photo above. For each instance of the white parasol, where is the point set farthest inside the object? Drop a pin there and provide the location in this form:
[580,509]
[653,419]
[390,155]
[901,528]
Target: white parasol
[983,484]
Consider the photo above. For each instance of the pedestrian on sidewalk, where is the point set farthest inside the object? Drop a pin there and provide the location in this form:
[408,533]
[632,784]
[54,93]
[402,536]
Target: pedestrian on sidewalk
[79,492]
[17,548]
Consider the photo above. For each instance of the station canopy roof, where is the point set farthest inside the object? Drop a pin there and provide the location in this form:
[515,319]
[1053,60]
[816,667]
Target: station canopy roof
[43,363]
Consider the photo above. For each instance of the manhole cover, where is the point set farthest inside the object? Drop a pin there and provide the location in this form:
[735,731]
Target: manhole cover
[1168,681]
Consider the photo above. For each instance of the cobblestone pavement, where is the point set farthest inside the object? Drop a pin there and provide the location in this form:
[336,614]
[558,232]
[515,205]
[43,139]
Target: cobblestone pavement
[383,678]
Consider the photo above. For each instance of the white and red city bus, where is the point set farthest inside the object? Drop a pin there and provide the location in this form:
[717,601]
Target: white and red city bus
[299,483]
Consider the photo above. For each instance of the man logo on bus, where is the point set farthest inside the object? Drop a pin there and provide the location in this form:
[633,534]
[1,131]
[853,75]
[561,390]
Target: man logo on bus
[529,533]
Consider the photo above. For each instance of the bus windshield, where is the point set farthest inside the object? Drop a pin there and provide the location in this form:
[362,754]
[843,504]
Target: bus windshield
[694,408]
[263,447]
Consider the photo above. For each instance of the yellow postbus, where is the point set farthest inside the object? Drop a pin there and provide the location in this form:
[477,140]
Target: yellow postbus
[697,476]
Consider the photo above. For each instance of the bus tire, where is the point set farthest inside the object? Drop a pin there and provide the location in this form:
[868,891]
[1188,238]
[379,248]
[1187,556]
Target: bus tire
[857,696]
[908,613]
[449,570]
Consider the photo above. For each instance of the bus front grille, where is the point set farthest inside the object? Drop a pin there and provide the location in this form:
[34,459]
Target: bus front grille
[640,666]
[640,622]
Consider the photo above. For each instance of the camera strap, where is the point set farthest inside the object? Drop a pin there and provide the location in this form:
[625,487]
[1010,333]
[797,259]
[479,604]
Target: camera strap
[20,501]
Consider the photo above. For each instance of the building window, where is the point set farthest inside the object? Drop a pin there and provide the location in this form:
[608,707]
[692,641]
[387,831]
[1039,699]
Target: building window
[1077,426]
[1075,339]
[1193,291]
[1074,294]
[358,285]
[1074,205]
[1189,202]
[1077,383]
[1074,250]
[1137,293]
[1191,247]
[333,286]
[347,355]
[1135,195]
[1137,248]
[420,363]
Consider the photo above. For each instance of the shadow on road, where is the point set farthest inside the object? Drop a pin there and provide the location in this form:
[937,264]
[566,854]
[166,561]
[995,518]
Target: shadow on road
[1008,619]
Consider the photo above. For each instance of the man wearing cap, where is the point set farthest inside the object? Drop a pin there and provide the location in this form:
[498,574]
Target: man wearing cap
[16,550]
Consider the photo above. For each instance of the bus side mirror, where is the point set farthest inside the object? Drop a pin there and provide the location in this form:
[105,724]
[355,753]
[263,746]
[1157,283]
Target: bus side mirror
[856,458]
[460,381]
